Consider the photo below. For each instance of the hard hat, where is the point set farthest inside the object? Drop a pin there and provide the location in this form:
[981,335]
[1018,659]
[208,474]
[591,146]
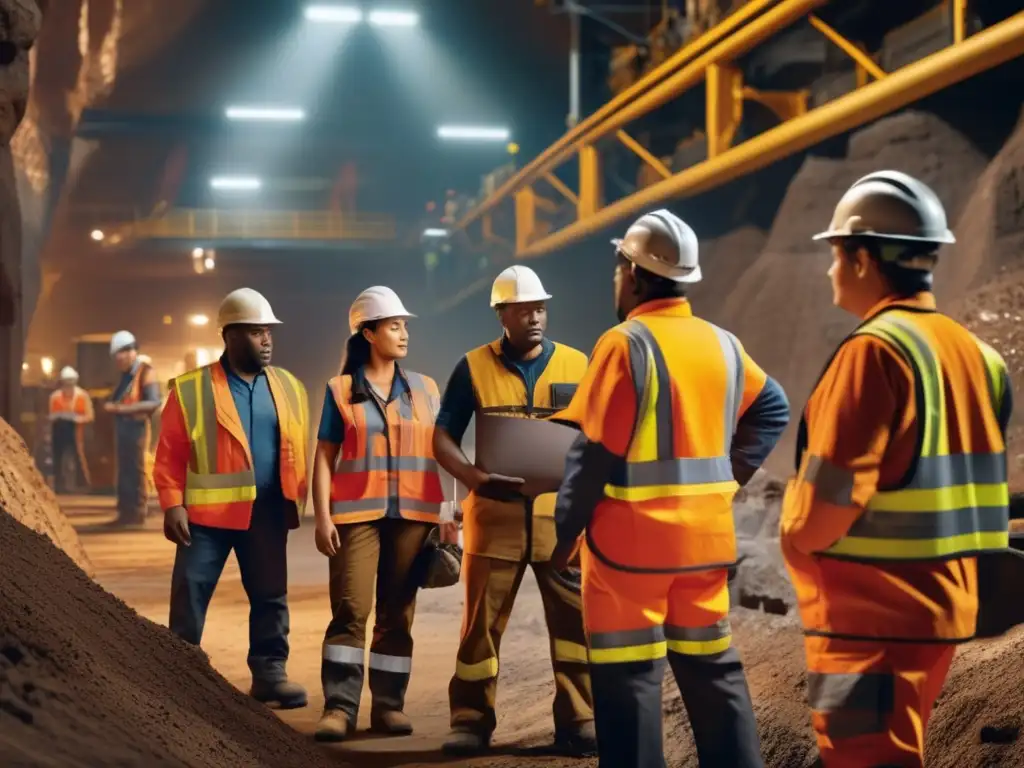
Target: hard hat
[891,205]
[67,373]
[664,245]
[375,303]
[121,340]
[247,307]
[517,285]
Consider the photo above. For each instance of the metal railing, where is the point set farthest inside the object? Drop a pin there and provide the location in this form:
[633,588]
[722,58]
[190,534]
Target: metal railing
[210,224]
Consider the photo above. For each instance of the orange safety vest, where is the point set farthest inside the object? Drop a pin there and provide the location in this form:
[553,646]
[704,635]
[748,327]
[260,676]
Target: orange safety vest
[76,404]
[906,568]
[667,507]
[387,453]
[495,528]
[221,487]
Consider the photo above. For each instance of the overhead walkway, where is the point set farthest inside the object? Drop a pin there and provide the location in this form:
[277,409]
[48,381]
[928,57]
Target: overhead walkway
[710,60]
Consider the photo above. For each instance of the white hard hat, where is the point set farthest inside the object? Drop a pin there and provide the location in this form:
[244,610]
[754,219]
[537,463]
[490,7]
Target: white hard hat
[121,340]
[67,373]
[517,285]
[247,307]
[375,303]
[664,245]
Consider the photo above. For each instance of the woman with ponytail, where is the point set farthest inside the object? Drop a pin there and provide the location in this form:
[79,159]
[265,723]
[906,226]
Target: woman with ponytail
[377,495]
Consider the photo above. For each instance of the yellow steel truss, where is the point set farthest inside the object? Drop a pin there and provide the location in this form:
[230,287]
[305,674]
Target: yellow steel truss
[202,225]
[710,58]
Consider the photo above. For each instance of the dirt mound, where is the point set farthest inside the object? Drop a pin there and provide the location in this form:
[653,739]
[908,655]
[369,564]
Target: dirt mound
[792,339]
[25,495]
[84,681]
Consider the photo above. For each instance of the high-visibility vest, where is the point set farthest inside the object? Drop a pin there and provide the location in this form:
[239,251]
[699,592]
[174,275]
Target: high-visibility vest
[133,392]
[77,404]
[499,528]
[220,485]
[667,506]
[387,454]
[949,505]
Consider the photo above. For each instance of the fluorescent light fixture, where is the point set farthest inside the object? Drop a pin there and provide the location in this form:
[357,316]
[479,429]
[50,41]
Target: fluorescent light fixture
[197,252]
[334,13]
[279,114]
[199,320]
[394,18]
[236,183]
[97,235]
[46,365]
[472,133]
[209,263]
[435,232]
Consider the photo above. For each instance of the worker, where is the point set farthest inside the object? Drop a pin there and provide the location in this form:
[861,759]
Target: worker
[674,416]
[70,410]
[230,471]
[135,398]
[522,374]
[900,485]
[375,507]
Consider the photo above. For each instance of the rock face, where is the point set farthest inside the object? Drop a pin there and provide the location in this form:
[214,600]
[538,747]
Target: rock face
[20,21]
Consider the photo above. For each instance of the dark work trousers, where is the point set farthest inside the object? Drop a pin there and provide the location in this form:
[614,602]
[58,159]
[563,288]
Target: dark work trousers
[262,559]
[383,551]
[132,438]
[64,443]
[628,713]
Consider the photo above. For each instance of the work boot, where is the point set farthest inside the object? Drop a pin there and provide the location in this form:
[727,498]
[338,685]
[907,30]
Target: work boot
[279,694]
[464,741]
[577,741]
[334,725]
[390,721]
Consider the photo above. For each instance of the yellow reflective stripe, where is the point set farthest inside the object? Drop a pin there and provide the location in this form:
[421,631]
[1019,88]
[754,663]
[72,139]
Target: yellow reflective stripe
[927,500]
[566,650]
[649,492]
[473,673]
[700,647]
[200,496]
[995,372]
[924,549]
[645,652]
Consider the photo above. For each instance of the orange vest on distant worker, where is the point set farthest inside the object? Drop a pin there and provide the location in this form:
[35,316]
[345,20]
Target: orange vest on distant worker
[221,487]
[77,404]
[495,528]
[667,506]
[387,453]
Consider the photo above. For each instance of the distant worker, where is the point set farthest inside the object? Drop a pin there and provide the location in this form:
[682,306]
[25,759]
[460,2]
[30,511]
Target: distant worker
[901,483]
[230,471]
[675,417]
[70,410]
[524,375]
[377,496]
[136,397]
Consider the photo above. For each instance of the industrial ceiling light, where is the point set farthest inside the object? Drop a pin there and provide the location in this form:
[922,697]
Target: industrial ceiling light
[472,133]
[197,252]
[97,235]
[394,18]
[337,14]
[435,232]
[199,320]
[236,183]
[265,114]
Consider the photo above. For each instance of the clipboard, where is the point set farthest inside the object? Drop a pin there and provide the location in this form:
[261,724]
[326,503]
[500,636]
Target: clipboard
[532,449]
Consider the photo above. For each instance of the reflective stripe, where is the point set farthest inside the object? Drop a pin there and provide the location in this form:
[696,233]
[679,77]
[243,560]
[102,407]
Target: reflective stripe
[220,481]
[481,670]
[853,704]
[288,384]
[227,488]
[380,464]
[401,665]
[568,651]
[832,484]
[651,468]
[343,654]
[645,644]
[699,641]
[365,505]
[995,373]
[953,504]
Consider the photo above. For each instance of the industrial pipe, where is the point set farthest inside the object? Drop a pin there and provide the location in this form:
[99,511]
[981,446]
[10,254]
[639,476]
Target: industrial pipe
[986,49]
[559,151]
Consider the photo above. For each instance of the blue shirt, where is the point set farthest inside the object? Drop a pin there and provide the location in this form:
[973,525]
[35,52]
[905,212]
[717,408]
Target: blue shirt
[332,424]
[459,403]
[258,414]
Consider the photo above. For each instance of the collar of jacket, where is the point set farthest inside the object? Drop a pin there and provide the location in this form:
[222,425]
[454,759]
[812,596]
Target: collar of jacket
[923,302]
[669,307]
[230,372]
[361,387]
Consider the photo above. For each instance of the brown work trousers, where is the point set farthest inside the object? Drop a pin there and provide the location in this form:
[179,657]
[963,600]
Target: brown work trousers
[383,551]
[491,587]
